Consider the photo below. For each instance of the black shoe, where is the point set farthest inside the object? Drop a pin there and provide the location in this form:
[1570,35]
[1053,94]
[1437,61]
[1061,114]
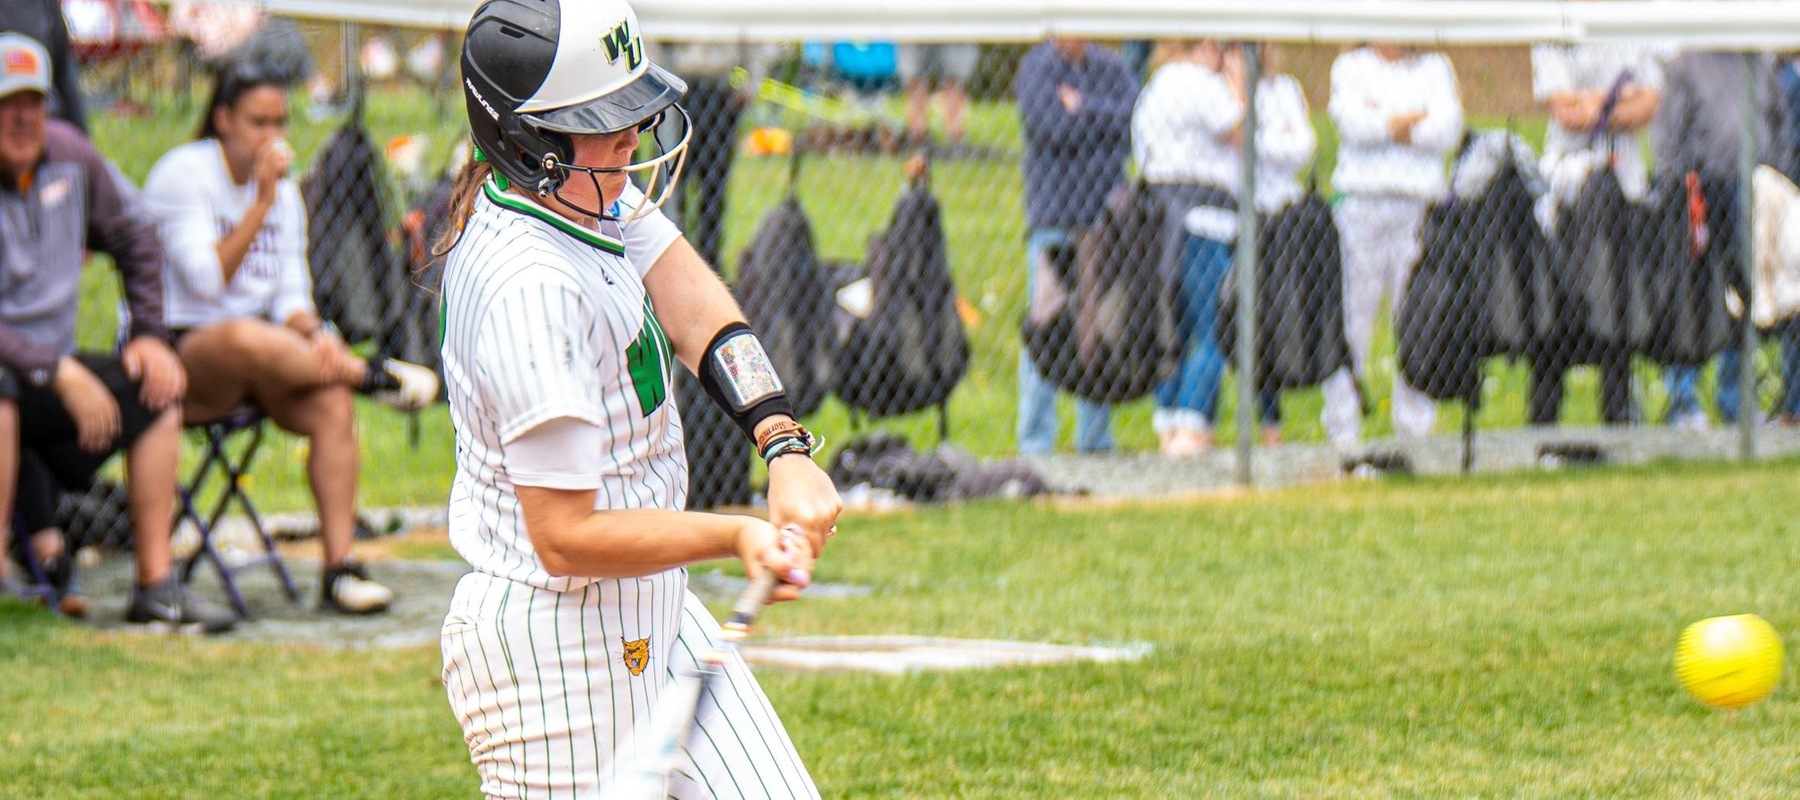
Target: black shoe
[169,607]
[377,379]
[347,589]
[58,573]
[401,384]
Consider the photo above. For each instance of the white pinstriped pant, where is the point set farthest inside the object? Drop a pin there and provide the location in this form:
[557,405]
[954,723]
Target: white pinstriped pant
[540,683]
[1380,236]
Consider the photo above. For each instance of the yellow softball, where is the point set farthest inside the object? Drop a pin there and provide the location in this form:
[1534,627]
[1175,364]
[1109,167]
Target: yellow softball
[1729,662]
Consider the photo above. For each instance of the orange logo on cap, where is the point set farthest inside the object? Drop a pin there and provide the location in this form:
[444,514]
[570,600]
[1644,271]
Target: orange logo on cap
[20,62]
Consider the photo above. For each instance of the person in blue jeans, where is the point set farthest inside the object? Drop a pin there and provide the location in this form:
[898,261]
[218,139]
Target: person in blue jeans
[1699,128]
[1186,135]
[1787,411]
[1188,403]
[1075,99]
[1037,395]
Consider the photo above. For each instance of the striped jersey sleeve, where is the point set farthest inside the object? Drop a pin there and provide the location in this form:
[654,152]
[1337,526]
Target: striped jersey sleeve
[535,344]
[647,237]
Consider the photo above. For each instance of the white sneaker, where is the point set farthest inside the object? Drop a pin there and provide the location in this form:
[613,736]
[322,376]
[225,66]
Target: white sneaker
[408,386]
[1692,422]
[348,589]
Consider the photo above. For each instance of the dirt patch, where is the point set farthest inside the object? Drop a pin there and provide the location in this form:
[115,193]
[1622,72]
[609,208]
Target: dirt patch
[421,588]
[422,591]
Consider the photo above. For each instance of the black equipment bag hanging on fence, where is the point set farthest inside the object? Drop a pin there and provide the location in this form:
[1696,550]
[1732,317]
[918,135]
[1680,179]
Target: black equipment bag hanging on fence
[1517,304]
[1601,288]
[910,351]
[360,283]
[417,335]
[1690,249]
[787,300]
[1102,325]
[1299,299]
[1471,295]
[1440,323]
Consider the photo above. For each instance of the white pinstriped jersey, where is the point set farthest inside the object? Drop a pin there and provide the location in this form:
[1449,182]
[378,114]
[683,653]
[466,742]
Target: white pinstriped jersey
[551,677]
[545,319]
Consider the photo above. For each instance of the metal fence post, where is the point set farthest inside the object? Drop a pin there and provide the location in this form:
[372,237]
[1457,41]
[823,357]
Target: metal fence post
[1246,270]
[1749,407]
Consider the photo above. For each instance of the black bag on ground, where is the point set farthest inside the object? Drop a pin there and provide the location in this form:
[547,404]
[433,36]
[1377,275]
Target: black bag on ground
[910,351]
[787,300]
[886,461]
[360,283]
[1690,251]
[1299,299]
[1103,323]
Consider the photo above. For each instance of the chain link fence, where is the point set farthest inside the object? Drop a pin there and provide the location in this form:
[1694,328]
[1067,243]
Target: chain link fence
[1055,248]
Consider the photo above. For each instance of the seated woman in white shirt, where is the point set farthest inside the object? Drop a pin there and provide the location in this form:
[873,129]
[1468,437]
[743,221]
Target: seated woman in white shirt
[238,296]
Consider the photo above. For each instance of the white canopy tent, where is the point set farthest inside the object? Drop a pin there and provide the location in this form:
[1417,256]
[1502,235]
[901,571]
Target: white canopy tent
[1746,24]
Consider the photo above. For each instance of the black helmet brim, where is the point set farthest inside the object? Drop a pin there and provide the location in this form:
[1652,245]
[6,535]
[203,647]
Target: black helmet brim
[650,94]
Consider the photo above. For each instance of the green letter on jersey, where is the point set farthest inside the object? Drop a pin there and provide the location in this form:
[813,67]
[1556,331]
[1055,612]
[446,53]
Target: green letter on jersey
[646,359]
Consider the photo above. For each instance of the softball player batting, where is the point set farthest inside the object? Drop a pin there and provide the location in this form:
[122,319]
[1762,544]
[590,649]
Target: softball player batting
[568,297]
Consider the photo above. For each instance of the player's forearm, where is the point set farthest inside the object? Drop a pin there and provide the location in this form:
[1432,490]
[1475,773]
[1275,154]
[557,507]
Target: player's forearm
[691,303]
[573,541]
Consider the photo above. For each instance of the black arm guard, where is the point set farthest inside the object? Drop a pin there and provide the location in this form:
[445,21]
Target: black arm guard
[736,373]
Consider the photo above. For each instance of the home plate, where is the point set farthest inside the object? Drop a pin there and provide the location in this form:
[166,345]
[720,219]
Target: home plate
[896,655]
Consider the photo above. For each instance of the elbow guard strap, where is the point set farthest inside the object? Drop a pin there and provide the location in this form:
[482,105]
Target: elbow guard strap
[737,374]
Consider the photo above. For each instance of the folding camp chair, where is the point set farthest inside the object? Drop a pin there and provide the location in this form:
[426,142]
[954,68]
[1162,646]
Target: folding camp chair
[246,425]
[35,583]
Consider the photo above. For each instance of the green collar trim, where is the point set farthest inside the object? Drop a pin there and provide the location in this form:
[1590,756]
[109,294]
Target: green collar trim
[588,236]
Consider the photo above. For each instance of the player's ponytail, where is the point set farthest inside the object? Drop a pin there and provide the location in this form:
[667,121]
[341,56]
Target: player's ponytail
[462,203]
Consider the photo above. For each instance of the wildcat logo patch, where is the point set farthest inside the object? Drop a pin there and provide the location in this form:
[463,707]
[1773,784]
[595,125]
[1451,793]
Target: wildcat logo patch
[637,655]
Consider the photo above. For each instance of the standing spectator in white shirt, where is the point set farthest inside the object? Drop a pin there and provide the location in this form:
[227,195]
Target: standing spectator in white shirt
[1184,128]
[1600,99]
[1398,116]
[1186,135]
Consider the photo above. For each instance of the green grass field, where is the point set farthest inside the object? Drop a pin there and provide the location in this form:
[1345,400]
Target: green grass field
[1496,637]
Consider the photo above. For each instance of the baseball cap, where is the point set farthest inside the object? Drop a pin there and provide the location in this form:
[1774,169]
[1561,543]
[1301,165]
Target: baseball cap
[24,65]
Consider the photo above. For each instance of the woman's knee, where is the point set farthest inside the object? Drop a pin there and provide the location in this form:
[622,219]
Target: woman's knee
[237,345]
[325,413]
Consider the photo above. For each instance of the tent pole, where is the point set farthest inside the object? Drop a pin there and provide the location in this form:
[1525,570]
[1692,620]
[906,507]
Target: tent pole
[1749,408]
[1246,269]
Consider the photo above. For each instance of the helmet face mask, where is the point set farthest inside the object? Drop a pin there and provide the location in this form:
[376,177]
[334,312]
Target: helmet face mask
[538,72]
[656,174]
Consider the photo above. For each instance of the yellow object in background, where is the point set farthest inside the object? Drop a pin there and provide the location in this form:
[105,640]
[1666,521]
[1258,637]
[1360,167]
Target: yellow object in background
[1729,662]
[769,141]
